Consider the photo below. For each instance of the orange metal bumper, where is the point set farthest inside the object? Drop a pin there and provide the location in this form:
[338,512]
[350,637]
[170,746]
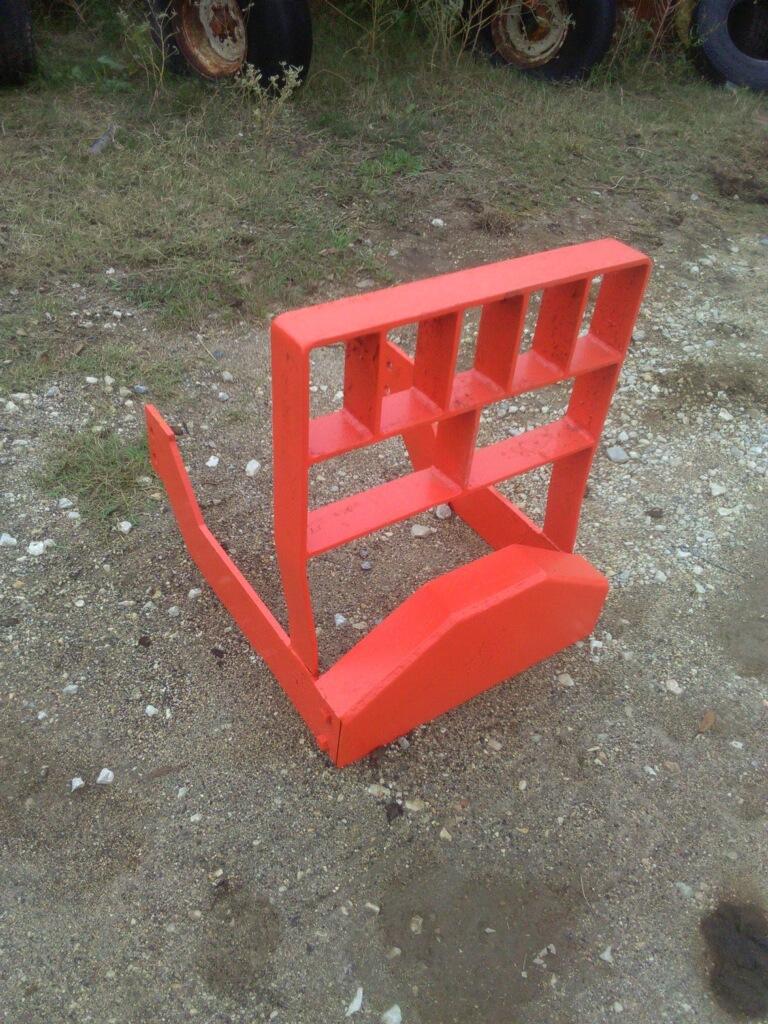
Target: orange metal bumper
[467,630]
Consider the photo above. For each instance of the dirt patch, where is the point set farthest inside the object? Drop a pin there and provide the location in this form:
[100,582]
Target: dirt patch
[736,935]
[749,187]
[744,627]
[242,933]
[689,385]
[90,841]
[474,946]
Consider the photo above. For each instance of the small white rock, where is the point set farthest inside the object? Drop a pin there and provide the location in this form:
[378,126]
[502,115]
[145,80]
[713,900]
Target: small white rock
[356,1003]
[105,777]
[716,490]
[607,955]
[522,785]
[213,462]
[437,222]
[194,818]
[39,547]
[7,541]
[415,805]
[223,396]
[418,530]
[150,711]
[194,593]
[174,611]
[91,380]
[443,511]
[252,467]
[725,415]
[565,679]
[227,377]
[445,834]
[392,1016]
[618,1007]
[339,619]
[182,792]
[70,689]
[617,454]
[375,789]
[65,503]
[76,783]
[124,526]
[672,686]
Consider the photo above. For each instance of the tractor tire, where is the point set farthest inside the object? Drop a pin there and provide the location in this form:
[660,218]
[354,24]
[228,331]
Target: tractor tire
[17,45]
[278,34]
[558,40]
[279,37]
[160,14]
[731,41]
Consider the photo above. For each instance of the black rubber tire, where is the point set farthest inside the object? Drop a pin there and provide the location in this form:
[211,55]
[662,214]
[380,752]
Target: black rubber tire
[731,41]
[17,44]
[587,42]
[279,36]
[161,17]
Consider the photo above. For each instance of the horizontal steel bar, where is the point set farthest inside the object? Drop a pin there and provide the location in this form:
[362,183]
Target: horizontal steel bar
[339,432]
[422,300]
[330,526]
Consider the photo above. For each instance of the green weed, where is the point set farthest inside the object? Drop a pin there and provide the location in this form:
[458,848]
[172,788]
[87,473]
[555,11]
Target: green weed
[101,470]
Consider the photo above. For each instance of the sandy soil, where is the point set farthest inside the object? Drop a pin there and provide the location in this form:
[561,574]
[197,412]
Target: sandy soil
[230,874]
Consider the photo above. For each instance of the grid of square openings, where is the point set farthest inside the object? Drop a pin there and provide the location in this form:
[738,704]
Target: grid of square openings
[389,392]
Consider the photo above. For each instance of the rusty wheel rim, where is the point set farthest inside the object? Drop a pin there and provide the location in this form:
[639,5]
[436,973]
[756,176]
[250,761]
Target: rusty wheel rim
[211,35]
[529,33]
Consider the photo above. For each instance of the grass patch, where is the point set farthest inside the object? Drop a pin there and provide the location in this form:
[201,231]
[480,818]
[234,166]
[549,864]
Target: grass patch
[32,362]
[209,213]
[128,366]
[101,471]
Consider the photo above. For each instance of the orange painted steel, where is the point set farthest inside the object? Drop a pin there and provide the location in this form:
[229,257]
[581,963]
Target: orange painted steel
[467,630]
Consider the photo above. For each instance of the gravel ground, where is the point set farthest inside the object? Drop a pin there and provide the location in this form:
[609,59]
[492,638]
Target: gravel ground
[543,854]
